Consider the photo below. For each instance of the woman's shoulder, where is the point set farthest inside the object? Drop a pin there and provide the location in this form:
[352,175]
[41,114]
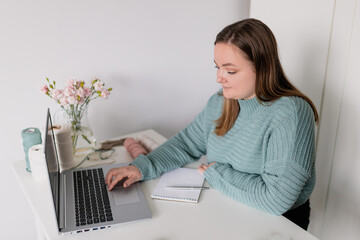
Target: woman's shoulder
[292,102]
[216,98]
[214,105]
[293,106]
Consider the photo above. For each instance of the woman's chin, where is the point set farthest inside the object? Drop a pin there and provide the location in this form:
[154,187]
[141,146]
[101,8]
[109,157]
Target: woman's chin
[226,94]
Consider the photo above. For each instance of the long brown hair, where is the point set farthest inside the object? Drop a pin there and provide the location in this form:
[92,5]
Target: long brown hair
[258,43]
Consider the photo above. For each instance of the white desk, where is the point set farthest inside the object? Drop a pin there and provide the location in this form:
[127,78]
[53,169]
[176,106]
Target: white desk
[214,217]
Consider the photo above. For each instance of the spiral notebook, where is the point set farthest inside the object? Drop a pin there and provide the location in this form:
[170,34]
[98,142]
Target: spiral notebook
[179,177]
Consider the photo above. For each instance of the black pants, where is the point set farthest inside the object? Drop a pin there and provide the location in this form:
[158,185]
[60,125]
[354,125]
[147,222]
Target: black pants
[300,215]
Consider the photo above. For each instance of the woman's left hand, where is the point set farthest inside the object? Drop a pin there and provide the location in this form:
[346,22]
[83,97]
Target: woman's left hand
[202,168]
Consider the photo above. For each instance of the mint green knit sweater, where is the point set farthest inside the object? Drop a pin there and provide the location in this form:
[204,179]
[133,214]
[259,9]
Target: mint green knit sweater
[266,160]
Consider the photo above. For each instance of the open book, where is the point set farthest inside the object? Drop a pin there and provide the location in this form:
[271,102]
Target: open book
[179,177]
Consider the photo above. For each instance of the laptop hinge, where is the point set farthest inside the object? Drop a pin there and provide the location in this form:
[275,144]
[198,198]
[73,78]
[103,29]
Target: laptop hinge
[62,212]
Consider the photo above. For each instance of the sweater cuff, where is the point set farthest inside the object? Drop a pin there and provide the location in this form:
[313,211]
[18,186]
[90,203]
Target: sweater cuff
[212,172]
[143,164]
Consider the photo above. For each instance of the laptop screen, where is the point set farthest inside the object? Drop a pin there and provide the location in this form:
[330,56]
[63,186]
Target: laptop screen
[52,163]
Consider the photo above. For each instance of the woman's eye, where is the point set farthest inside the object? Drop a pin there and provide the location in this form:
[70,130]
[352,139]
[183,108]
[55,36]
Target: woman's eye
[227,72]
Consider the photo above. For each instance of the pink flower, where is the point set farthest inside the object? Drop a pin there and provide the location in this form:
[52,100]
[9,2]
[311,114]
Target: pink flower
[44,89]
[71,83]
[68,91]
[72,99]
[98,85]
[105,93]
[87,92]
[81,92]
[80,101]
[57,94]
[63,101]
[75,92]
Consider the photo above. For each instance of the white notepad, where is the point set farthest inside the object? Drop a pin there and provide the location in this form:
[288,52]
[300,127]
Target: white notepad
[179,177]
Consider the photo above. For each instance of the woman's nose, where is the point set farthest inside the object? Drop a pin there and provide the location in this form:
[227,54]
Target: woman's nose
[220,78]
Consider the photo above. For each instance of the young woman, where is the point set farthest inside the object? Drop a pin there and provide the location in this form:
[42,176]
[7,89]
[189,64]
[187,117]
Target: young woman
[257,131]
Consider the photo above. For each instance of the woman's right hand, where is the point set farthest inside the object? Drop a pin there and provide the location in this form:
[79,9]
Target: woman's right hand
[204,167]
[131,173]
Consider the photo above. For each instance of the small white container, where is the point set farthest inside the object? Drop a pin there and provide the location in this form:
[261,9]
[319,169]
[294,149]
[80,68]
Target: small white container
[38,162]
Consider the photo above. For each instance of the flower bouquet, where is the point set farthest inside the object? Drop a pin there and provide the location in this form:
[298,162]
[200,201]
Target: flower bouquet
[74,99]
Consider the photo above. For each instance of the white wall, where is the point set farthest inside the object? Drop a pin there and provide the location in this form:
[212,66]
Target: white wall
[320,51]
[302,30]
[341,113]
[157,55]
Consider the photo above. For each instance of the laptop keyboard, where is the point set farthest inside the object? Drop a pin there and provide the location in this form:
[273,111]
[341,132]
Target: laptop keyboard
[91,198]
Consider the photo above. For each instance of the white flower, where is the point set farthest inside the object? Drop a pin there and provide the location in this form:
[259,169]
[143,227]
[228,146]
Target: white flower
[105,93]
[98,85]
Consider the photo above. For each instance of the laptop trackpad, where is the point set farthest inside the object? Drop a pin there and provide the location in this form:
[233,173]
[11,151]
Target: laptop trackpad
[123,195]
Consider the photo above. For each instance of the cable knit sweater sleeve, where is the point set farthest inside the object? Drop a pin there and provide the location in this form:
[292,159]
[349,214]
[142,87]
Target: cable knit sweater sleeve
[287,166]
[185,147]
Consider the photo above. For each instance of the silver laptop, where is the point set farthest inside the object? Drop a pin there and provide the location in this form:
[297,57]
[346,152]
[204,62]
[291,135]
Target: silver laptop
[82,202]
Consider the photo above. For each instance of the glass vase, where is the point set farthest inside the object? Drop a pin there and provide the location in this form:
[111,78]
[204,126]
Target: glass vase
[82,136]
